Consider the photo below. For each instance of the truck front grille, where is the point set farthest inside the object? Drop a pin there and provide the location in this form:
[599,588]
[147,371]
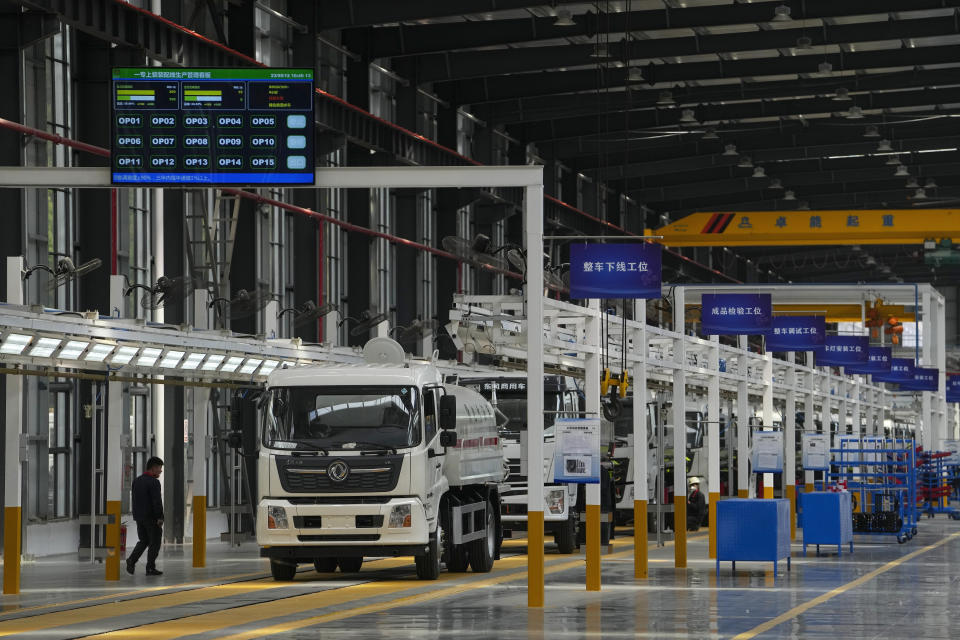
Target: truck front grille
[365,473]
[341,537]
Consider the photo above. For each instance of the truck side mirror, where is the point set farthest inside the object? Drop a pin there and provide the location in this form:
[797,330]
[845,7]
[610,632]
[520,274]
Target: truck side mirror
[448,438]
[235,439]
[448,412]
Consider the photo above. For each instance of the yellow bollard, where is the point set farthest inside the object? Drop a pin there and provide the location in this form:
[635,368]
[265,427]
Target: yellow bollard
[11,550]
[112,562]
[640,553]
[714,501]
[593,547]
[792,497]
[535,559]
[199,531]
[680,532]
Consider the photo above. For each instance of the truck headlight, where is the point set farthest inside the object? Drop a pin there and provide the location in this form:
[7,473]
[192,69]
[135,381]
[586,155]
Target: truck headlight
[277,518]
[399,517]
[555,499]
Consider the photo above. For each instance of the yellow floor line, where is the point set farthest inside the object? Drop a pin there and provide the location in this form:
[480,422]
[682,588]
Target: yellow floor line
[150,603]
[796,611]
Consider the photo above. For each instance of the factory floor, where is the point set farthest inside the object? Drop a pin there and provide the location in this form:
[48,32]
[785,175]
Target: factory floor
[883,590]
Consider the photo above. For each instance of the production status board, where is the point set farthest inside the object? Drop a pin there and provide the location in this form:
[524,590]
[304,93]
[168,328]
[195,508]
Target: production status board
[181,126]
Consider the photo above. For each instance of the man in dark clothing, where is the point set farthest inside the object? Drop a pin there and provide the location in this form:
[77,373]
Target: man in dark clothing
[696,506]
[148,514]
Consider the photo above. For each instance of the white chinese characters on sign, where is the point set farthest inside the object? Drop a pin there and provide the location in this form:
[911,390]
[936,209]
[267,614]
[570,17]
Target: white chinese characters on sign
[613,267]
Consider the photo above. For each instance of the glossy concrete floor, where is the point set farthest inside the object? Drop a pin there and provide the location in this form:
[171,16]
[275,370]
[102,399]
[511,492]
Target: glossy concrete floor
[883,590]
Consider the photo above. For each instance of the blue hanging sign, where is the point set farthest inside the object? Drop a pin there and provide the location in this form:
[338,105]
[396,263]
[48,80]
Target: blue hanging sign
[901,370]
[615,270]
[739,314]
[878,361]
[924,379]
[842,351]
[953,388]
[797,333]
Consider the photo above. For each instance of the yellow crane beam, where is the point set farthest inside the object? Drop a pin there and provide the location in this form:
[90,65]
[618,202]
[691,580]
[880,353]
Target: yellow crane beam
[791,228]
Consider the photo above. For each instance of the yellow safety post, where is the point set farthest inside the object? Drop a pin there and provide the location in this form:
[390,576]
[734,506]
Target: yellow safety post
[112,562]
[199,531]
[714,501]
[808,488]
[640,559]
[535,588]
[680,532]
[743,493]
[593,547]
[11,550]
[767,492]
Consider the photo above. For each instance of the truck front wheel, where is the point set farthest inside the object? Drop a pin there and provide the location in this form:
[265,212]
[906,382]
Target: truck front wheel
[484,550]
[283,570]
[325,565]
[428,565]
[566,536]
[351,564]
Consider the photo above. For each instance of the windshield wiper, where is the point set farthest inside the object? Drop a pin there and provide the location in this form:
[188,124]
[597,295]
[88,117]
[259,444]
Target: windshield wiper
[369,446]
[312,447]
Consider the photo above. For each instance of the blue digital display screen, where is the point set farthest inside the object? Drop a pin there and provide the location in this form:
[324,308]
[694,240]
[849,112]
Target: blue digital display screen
[186,126]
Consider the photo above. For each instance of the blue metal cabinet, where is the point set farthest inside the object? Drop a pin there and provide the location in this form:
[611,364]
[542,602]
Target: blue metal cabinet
[753,529]
[827,519]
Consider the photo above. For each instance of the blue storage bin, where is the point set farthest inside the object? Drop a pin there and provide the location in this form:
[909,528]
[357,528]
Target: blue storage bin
[827,519]
[753,529]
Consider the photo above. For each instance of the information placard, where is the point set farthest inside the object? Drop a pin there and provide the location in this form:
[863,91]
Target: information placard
[615,270]
[767,451]
[816,451]
[577,457]
[226,126]
[742,314]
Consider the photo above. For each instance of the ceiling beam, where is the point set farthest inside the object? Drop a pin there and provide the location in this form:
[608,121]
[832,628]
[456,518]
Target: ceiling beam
[588,103]
[475,64]
[337,14]
[558,82]
[640,119]
[416,39]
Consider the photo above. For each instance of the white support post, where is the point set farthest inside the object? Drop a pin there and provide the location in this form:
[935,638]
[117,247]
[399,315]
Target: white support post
[857,429]
[767,409]
[641,491]
[113,463]
[790,442]
[11,458]
[713,441]
[679,432]
[744,486]
[592,406]
[533,298]
[928,411]
[808,424]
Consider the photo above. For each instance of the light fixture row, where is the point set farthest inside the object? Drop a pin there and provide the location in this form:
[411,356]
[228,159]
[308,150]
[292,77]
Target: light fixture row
[120,355]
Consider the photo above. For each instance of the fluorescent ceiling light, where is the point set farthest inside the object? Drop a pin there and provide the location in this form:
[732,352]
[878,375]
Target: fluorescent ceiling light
[789,195]
[759,172]
[268,366]
[902,171]
[44,347]
[564,19]
[15,343]
[73,349]
[124,355]
[231,365]
[148,357]
[687,117]
[250,366]
[781,14]
[98,352]
[213,361]
[884,145]
[730,150]
[171,359]
[193,361]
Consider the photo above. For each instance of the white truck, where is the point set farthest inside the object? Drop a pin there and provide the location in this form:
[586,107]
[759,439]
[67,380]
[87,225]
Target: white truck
[508,392]
[381,459]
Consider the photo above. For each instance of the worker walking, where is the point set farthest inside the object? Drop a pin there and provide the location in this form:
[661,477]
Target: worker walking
[696,505]
[148,514]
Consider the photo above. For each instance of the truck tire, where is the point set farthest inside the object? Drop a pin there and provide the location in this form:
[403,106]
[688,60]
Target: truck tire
[484,550]
[283,570]
[325,565]
[428,565]
[350,564]
[566,536]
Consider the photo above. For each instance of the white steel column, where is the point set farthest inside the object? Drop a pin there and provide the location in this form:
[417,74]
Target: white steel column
[767,409]
[113,456]
[533,297]
[713,441]
[744,486]
[592,406]
[11,457]
[790,442]
[928,412]
[641,491]
[679,432]
[857,429]
[808,424]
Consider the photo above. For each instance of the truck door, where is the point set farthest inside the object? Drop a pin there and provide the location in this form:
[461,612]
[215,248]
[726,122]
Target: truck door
[434,471]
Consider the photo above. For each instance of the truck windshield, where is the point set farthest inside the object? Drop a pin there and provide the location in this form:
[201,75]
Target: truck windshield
[515,408]
[354,417]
